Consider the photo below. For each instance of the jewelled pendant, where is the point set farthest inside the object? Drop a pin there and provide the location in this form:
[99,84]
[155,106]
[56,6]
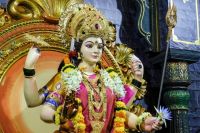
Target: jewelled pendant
[97,126]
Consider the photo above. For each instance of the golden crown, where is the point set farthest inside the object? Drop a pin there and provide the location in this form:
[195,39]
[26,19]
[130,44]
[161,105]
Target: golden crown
[80,21]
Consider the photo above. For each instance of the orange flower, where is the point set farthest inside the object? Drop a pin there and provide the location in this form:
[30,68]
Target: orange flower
[120,117]
[118,124]
[120,114]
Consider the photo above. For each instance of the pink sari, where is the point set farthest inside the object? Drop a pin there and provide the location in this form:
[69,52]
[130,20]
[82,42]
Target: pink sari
[111,98]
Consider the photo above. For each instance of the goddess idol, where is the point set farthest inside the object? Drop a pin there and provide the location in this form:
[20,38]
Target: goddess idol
[86,95]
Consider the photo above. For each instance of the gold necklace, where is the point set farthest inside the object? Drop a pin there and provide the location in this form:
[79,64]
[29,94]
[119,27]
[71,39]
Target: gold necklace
[97,104]
[97,119]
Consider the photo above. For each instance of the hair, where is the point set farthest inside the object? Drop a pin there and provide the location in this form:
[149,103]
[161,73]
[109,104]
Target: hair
[74,59]
[77,45]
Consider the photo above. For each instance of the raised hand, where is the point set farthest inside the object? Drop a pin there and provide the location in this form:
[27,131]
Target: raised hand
[137,68]
[32,58]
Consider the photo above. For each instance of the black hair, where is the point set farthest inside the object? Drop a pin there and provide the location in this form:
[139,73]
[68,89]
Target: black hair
[77,45]
[75,60]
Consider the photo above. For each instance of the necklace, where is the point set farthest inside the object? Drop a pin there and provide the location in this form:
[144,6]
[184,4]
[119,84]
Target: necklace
[97,118]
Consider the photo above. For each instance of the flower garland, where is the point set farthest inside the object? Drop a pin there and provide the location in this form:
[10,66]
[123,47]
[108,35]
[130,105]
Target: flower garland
[113,81]
[72,78]
[57,115]
[120,107]
[78,120]
[120,117]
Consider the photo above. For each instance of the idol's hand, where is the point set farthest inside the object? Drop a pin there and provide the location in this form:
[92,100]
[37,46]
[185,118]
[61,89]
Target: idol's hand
[32,58]
[151,124]
[137,68]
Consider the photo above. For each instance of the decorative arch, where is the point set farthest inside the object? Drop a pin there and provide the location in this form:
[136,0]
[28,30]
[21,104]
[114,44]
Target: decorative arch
[14,44]
[15,116]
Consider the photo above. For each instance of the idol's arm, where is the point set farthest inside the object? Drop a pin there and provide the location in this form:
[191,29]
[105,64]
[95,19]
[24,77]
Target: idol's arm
[144,122]
[31,94]
[131,120]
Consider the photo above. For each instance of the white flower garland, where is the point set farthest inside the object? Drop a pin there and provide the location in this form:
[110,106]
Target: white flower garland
[73,79]
[114,83]
[119,89]
[107,79]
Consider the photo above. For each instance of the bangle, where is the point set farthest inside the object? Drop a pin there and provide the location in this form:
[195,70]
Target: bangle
[29,72]
[136,83]
[141,119]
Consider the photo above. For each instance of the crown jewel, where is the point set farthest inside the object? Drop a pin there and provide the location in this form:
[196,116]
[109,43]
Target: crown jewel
[80,21]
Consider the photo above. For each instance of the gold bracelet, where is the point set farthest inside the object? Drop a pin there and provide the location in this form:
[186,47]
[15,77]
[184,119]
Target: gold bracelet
[141,119]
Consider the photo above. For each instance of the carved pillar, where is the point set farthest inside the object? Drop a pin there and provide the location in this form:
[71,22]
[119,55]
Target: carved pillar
[176,95]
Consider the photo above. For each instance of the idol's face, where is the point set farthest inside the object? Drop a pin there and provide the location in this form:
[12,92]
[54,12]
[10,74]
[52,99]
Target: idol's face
[91,50]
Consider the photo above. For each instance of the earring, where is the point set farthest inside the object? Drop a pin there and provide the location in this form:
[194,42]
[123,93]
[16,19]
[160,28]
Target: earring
[96,69]
[79,56]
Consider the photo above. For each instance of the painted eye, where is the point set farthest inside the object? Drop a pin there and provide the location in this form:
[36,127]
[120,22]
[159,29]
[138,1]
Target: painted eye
[89,45]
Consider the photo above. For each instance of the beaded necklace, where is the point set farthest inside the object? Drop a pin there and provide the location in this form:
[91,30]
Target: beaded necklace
[97,109]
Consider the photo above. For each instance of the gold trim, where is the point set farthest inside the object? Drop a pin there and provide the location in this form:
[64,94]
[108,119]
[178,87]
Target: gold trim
[50,10]
[147,35]
[113,60]
[4,17]
[8,62]
[171,20]
[82,20]
[15,47]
